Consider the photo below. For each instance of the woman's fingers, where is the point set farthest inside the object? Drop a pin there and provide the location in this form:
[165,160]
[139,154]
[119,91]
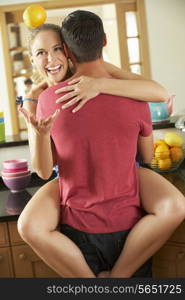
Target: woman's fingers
[51,118]
[25,113]
[40,122]
[32,120]
[67,96]
[75,80]
[70,85]
[55,114]
[70,103]
[65,89]
[80,105]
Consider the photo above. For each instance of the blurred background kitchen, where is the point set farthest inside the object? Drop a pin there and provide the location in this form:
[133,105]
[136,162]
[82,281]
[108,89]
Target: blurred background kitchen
[144,36]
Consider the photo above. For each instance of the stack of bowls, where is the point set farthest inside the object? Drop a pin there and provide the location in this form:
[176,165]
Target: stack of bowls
[15,174]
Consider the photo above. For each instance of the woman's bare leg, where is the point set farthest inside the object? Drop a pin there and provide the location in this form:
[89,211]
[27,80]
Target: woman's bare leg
[37,226]
[165,206]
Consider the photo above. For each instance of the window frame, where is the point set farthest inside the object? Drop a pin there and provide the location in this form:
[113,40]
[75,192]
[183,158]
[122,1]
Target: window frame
[139,8]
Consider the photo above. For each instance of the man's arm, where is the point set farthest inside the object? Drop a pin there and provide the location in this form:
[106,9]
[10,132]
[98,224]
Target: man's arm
[145,148]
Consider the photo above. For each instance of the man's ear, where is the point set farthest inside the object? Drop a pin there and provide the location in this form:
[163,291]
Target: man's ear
[66,50]
[105,41]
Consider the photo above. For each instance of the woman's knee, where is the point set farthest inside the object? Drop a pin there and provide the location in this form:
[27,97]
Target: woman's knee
[173,207]
[28,229]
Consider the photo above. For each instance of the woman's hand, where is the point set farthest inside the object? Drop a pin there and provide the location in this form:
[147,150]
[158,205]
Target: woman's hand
[41,126]
[80,89]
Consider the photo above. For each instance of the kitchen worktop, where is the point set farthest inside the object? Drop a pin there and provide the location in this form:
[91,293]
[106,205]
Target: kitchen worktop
[11,204]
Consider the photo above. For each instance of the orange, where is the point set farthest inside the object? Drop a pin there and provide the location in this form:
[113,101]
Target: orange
[34,16]
[165,164]
[176,153]
[158,142]
[154,163]
[162,151]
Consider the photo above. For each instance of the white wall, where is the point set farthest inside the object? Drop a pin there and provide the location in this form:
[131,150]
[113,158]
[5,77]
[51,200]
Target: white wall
[166,23]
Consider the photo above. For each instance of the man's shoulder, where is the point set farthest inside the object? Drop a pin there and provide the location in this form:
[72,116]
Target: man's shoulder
[50,90]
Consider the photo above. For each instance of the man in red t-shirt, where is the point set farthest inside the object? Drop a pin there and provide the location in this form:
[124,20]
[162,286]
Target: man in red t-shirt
[96,154]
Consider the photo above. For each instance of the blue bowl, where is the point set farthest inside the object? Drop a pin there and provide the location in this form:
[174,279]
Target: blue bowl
[159,111]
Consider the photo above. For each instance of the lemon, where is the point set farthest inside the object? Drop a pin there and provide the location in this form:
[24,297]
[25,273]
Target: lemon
[162,152]
[164,164]
[176,154]
[154,163]
[34,16]
[159,142]
[173,139]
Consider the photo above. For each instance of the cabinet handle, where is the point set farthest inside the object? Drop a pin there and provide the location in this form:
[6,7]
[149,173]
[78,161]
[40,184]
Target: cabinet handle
[1,258]
[22,256]
[181,255]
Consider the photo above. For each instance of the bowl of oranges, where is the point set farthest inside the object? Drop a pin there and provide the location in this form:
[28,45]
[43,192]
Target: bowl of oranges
[169,153]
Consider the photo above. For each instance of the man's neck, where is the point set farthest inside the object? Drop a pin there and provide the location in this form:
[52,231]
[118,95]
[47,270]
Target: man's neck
[94,69]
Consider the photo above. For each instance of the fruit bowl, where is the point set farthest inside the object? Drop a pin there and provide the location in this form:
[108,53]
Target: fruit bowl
[167,165]
[169,153]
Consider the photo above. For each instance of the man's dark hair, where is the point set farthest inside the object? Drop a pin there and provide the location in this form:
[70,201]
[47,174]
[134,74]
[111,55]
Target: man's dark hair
[83,33]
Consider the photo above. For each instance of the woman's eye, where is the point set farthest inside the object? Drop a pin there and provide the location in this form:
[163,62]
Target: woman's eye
[40,53]
[59,48]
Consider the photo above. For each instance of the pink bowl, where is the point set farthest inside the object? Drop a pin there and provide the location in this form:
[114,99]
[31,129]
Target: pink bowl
[15,164]
[18,174]
[16,184]
[15,170]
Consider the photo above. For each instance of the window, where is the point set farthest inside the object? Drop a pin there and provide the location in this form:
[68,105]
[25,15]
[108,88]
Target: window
[133,37]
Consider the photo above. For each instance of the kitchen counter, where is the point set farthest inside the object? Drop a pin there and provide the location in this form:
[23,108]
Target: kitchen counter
[15,140]
[11,204]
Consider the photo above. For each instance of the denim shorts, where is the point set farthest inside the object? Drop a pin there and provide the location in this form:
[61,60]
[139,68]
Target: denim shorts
[101,250]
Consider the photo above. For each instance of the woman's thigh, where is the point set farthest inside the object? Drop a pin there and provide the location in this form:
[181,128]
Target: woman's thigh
[156,192]
[44,207]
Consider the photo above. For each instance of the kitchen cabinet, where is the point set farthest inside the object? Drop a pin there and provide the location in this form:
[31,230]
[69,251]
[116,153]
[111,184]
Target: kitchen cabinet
[169,261]
[28,264]
[6,266]
[16,258]
[3,234]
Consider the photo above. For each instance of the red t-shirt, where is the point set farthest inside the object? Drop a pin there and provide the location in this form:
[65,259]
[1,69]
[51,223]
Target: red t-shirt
[96,151]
